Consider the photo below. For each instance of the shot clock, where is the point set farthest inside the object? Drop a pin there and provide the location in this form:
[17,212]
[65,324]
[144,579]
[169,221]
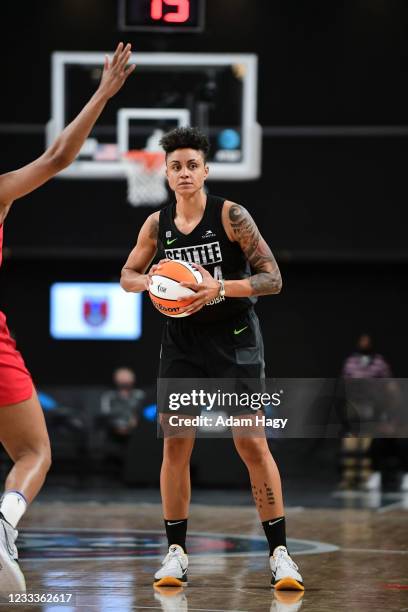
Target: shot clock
[161,15]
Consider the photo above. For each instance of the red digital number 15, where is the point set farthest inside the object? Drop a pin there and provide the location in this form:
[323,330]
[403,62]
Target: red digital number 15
[180,16]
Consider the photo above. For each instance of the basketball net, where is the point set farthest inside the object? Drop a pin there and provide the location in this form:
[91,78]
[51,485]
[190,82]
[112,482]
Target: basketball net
[145,174]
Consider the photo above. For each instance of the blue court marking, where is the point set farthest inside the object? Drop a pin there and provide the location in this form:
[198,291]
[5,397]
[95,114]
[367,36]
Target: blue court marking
[47,544]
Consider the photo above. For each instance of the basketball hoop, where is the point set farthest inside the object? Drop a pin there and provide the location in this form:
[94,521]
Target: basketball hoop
[145,177]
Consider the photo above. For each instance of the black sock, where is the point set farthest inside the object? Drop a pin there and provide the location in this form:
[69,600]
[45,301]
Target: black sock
[275,532]
[176,531]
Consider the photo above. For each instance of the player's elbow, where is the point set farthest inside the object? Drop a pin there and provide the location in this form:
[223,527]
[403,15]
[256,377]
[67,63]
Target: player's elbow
[272,281]
[276,283]
[57,160]
[124,281]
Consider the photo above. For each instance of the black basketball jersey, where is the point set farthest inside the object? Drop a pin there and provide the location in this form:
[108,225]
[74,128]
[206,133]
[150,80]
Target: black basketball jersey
[209,246]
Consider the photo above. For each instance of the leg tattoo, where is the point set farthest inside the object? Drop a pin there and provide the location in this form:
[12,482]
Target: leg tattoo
[263,496]
[269,495]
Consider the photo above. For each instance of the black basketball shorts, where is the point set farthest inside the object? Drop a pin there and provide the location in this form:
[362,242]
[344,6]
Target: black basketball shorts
[227,349]
[225,356]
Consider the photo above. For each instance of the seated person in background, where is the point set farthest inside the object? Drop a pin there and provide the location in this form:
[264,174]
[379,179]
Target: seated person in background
[364,363]
[122,405]
[119,413]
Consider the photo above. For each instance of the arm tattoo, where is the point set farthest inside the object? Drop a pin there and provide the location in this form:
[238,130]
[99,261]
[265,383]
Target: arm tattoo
[267,278]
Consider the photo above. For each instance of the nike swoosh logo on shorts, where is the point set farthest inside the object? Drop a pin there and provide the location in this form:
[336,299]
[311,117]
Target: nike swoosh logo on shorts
[239,331]
[169,242]
[178,523]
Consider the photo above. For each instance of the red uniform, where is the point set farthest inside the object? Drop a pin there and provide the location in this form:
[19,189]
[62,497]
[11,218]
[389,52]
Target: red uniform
[16,384]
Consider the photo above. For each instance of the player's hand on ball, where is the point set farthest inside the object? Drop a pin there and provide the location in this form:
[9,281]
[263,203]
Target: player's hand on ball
[206,291]
[115,72]
[153,270]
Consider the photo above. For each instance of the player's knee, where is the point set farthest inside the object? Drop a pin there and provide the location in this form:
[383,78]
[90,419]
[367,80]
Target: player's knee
[46,458]
[43,456]
[38,453]
[253,451]
[177,451]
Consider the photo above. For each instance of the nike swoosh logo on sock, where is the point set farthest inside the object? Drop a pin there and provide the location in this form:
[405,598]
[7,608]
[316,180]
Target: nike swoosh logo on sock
[277,521]
[177,523]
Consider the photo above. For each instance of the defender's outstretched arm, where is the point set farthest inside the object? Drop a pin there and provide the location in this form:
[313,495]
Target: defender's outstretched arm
[64,150]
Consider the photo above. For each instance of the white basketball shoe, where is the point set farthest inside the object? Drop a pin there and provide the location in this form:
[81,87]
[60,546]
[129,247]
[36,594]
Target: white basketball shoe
[174,568]
[285,575]
[11,577]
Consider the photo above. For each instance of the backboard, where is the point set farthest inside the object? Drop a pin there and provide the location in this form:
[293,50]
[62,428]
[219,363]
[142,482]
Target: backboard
[216,92]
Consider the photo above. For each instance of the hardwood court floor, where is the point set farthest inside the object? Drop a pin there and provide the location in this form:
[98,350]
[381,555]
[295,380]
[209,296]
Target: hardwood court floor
[368,571]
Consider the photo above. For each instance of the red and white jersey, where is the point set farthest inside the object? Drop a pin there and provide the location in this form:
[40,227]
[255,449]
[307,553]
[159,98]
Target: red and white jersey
[15,381]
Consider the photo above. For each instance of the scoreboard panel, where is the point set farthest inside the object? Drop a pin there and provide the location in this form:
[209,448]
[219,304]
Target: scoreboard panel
[161,15]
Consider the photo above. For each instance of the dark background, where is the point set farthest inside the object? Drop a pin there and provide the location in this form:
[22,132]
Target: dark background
[332,208]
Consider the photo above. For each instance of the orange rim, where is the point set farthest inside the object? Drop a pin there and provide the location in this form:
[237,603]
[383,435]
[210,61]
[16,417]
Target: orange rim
[152,160]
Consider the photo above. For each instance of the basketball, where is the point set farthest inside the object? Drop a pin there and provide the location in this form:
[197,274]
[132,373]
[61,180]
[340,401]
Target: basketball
[165,290]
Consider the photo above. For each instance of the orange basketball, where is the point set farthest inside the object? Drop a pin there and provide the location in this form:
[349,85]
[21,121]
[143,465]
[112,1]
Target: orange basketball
[165,290]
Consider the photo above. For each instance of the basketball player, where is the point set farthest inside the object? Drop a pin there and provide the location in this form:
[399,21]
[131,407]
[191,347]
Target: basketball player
[220,339]
[22,428]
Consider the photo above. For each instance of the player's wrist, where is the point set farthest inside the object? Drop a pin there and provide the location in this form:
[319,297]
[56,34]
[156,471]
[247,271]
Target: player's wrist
[221,289]
[101,94]
[147,279]
[237,288]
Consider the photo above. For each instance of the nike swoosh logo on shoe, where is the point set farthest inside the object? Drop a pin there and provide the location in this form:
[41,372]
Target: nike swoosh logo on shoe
[9,549]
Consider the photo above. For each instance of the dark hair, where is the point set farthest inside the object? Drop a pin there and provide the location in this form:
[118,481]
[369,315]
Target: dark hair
[185,138]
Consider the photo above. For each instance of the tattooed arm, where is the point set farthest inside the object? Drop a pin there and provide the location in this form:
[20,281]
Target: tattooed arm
[133,277]
[241,228]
